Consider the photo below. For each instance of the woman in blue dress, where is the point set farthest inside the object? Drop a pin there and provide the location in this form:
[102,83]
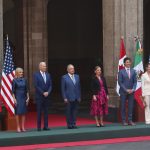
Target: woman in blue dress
[21,98]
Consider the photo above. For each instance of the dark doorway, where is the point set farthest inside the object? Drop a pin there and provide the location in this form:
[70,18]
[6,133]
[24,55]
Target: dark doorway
[146,8]
[74,36]
[13,27]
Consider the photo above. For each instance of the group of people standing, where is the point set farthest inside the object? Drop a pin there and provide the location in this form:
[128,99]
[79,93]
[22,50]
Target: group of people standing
[71,94]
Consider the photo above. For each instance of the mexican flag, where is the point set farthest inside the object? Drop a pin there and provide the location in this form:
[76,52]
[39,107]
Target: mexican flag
[121,64]
[138,66]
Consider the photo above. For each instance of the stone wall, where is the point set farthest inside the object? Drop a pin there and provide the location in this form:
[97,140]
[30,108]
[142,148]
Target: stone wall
[34,35]
[120,18]
[1,34]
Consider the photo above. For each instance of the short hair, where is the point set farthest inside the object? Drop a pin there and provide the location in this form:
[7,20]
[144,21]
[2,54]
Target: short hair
[127,58]
[42,63]
[17,70]
[69,66]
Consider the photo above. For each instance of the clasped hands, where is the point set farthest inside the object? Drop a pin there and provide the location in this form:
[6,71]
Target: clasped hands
[45,94]
[95,99]
[130,91]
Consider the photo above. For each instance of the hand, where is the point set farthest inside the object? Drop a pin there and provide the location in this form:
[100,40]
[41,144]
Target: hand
[65,101]
[15,101]
[129,91]
[94,98]
[143,97]
[144,103]
[107,97]
[45,94]
[27,101]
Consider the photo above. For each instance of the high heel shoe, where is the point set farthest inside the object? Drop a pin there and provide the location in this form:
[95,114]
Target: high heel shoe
[18,130]
[24,130]
[102,125]
[97,125]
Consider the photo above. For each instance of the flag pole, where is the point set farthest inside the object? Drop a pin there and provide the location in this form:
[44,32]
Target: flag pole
[7,37]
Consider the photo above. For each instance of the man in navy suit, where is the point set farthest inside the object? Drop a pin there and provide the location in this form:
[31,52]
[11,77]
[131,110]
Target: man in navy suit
[43,88]
[71,93]
[127,80]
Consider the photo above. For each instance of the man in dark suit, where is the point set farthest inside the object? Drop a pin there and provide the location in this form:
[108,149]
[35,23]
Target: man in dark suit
[43,87]
[127,80]
[71,93]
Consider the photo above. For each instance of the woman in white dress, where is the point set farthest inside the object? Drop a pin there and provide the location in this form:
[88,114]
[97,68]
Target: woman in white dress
[146,93]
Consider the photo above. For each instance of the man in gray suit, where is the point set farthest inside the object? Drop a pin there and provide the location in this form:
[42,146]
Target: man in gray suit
[127,80]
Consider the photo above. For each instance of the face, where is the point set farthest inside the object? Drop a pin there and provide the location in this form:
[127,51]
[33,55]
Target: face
[148,68]
[98,71]
[128,63]
[43,67]
[20,74]
[71,69]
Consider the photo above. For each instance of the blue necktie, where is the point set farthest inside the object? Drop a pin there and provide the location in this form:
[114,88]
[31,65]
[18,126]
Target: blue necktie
[44,77]
[73,79]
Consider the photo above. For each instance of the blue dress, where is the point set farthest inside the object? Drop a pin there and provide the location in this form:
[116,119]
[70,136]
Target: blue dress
[20,90]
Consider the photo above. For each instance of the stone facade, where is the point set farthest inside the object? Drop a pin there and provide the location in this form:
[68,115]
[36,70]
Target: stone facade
[1,34]
[120,18]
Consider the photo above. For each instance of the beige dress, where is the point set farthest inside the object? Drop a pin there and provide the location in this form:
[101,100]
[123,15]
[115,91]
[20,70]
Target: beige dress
[146,93]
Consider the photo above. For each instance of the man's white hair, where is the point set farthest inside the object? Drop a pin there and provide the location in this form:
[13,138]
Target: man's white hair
[70,65]
[41,63]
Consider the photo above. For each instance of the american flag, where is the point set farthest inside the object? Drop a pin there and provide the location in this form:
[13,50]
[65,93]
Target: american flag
[8,74]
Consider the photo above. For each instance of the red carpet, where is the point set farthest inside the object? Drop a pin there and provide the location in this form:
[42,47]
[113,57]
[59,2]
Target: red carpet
[55,120]
[79,143]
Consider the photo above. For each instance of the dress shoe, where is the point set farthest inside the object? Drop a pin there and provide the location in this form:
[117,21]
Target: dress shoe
[39,129]
[46,129]
[70,127]
[124,124]
[131,123]
[74,127]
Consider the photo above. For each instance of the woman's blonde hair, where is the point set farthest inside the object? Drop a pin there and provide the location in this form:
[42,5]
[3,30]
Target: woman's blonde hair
[17,70]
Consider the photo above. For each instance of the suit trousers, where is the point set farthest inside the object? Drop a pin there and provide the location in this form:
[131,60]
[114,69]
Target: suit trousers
[71,112]
[147,109]
[124,98]
[42,106]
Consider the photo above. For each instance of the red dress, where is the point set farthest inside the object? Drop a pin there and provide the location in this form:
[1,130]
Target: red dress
[100,107]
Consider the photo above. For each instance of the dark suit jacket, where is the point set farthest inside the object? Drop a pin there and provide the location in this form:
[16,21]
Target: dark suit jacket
[96,87]
[41,86]
[69,90]
[125,82]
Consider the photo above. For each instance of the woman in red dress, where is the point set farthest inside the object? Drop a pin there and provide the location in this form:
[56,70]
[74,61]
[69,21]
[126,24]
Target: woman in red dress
[99,105]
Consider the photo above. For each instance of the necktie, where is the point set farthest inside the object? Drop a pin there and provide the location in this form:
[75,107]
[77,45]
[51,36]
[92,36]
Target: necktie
[128,72]
[44,77]
[73,79]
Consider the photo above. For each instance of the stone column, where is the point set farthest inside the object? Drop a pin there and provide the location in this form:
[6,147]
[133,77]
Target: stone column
[120,18]
[35,35]
[1,35]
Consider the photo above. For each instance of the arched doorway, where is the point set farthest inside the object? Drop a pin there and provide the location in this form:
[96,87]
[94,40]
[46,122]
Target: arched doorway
[74,36]
[146,27]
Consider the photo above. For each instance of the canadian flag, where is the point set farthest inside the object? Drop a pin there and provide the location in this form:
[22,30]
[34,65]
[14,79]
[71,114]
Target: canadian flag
[121,58]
